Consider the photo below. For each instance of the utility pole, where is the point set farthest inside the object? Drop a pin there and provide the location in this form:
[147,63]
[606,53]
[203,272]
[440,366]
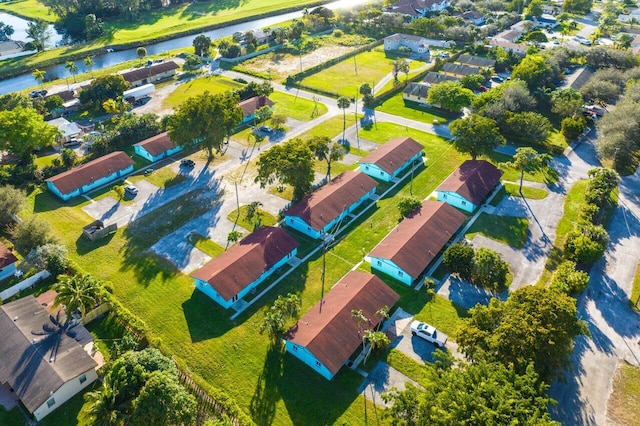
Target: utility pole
[356,98]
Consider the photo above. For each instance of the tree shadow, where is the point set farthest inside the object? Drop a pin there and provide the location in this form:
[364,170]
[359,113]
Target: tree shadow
[199,310]
[266,394]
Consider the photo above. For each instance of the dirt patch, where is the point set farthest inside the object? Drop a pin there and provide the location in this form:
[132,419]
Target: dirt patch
[285,64]
[622,407]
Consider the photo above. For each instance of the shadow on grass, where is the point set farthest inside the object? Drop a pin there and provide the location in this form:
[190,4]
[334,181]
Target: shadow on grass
[199,310]
[84,246]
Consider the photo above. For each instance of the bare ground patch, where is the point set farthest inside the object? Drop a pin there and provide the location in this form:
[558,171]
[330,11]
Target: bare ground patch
[283,64]
[622,407]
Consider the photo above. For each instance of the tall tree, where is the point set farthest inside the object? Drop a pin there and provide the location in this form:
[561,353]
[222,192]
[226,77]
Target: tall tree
[163,402]
[78,292]
[39,75]
[38,31]
[475,135]
[12,201]
[88,62]
[103,88]
[450,95]
[141,52]
[202,45]
[534,325]
[344,103]
[528,160]
[399,65]
[326,150]
[103,406]
[23,130]
[31,233]
[72,68]
[207,119]
[566,102]
[290,163]
[533,70]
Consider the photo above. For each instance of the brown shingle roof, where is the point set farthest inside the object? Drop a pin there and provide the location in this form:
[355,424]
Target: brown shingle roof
[6,256]
[328,331]
[148,72]
[65,95]
[73,179]
[26,365]
[251,105]
[393,154]
[325,204]
[473,180]
[157,144]
[416,241]
[235,269]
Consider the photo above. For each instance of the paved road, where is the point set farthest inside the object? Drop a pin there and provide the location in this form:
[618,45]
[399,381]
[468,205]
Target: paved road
[380,380]
[614,327]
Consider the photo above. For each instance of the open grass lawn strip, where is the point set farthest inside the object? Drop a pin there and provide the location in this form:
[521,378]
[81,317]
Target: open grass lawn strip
[164,177]
[408,367]
[262,218]
[634,301]
[295,107]
[505,229]
[205,245]
[622,406]
[396,105]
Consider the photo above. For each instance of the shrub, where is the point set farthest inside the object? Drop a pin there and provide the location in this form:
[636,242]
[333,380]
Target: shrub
[572,127]
[581,248]
[568,280]
[338,33]
[489,269]
[31,233]
[458,259]
[406,205]
[12,200]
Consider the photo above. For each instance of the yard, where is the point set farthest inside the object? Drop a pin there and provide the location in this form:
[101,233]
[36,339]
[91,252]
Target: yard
[622,406]
[635,290]
[197,86]
[344,78]
[513,190]
[505,229]
[396,106]
[271,386]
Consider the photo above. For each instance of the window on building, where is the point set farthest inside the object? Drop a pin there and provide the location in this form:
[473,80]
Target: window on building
[401,273]
[51,403]
[295,348]
[464,203]
[379,263]
[83,378]
[234,298]
[366,167]
[318,364]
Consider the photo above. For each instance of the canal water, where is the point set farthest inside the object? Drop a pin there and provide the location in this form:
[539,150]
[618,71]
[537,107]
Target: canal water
[26,81]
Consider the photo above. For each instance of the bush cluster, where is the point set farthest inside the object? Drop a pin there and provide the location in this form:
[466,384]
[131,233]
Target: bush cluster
[483,267]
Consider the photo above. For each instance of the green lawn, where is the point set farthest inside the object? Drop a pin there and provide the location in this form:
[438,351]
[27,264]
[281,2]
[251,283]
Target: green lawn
[266,218]
[513,190]
[273,388]
[505,229]
[28,9]
[408,366]
[344,78]
[331,127]
[197,86]
[385,131]
[205,245]
[45,158]
[622,407]
[297,108]
[547,176]
[635,290]
[164,177]
[396,106]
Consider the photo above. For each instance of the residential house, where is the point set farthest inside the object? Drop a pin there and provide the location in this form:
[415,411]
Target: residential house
[416,92]
[633,17]
[435,78]
[7,262]
[551,9]
[417,8]
[68,130]
[69,102]
[325,208]
[251,105]
[408,249]
[458,70]
[230,276]
[579,78]
[508,36]
[150,74]
[157,147]
[418,45]
[545,21]
[474,17]
[91,175]
[524,26]
[476,61]
[515,48]
[261,36]
[327,336]
[390,159]
[41,365]
[469,184]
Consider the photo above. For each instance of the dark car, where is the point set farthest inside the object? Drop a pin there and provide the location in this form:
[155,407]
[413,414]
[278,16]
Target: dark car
[187,162]
[38,93]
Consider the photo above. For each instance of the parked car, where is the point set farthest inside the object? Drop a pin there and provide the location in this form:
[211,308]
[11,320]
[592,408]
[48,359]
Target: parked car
[72,143]
[263,129]
[497,79]
[187,162]
[428,333]
[482,89]
[38,93]
[131,189]
[148,171]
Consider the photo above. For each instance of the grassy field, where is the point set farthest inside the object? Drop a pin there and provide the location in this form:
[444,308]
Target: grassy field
[547,176]
[505,229]
[197,86]
[162,178]
[271,386]
[513,190]
[205,245]
[159,24]
[635,290]
[396,106]
[28,9]
[332,127]
[346,77]
[622,406]
[266,218]
[297,108]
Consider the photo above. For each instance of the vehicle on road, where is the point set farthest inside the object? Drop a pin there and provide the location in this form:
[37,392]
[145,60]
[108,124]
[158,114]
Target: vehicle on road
[497,79]
[72,143]
[38,93]
[263,129]
[428,333]
[131,189]
[187,162]
[148,171]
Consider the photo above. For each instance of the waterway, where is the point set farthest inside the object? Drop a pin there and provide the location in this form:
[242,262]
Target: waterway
[26,81]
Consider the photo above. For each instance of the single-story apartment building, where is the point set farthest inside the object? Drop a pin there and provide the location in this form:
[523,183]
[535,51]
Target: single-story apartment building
[156,148]
[91,175]
[327,336]
[516,48]
[317,213]
[7,262]
[391,158]
[70,102]
[469,184]
[458,70]
[476,61]
[230,276]
[416,92]
[150,74]
[435,78]
[408,250]
[251,105]
[42,372]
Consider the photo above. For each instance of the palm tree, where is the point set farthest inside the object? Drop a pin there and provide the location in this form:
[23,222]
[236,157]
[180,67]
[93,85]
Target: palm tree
[272,324]
[103,406]
[79,292]
[72,68]
[344,103]
[361,319]
[39,75]
[88,62]
[377,341]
